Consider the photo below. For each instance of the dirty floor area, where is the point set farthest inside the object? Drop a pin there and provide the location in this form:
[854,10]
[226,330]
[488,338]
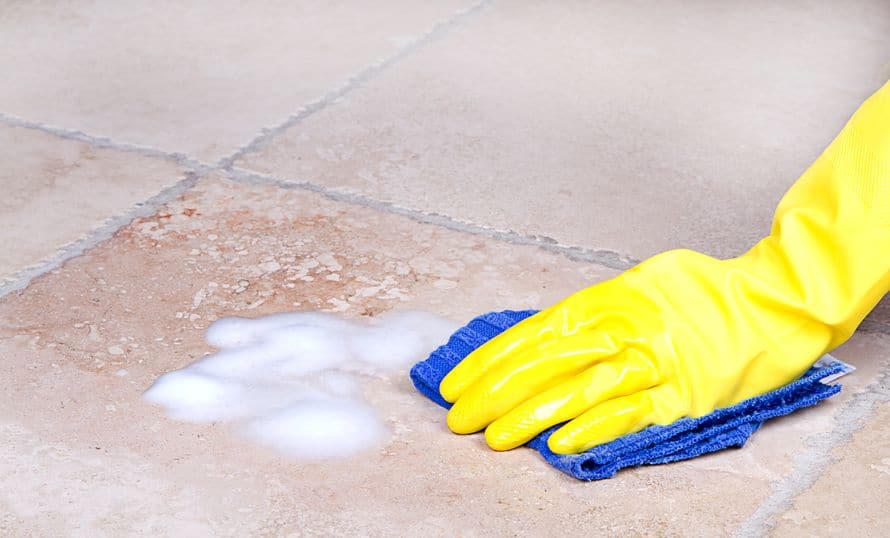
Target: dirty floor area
[166,164]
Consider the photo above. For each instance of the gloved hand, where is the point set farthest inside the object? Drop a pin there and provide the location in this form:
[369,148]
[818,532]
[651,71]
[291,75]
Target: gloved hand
[682,333]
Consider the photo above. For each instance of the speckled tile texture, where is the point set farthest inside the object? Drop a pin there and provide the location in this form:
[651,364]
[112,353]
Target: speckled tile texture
[164,167]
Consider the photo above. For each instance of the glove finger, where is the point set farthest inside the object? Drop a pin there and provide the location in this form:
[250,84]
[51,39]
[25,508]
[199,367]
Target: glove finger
[576,314]
[516,340]
[628,373]
[609,421]
[520,377]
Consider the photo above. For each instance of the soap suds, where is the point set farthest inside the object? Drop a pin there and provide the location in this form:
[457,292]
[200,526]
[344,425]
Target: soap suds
[293,381]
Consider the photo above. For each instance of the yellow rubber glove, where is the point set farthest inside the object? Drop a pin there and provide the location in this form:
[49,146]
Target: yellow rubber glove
[682,333]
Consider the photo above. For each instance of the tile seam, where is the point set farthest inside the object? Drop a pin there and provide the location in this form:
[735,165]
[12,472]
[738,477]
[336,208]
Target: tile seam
[195,169]
[352,83]
[810,465]
[100,142]
[259,141]
[22,279]
[605,258]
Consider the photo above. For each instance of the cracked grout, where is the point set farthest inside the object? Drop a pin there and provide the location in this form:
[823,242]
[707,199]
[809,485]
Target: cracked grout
[106,143]
[352,83]
[22,279]
[810,465]
[605,258]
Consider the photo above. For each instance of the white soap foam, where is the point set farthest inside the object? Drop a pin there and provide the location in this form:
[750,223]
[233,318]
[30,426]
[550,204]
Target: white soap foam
[310,429]
[291,381]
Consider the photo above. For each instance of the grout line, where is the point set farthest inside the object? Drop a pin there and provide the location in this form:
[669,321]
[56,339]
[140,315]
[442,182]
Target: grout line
[352,83]
[606,258]
[810,465]
[198,169]
[105,143]
[22,279]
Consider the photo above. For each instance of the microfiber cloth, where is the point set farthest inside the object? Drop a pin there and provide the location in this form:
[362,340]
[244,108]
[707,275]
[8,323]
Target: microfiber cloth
[686,438]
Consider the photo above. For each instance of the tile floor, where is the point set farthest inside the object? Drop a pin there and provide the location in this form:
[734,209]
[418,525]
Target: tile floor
[165,166]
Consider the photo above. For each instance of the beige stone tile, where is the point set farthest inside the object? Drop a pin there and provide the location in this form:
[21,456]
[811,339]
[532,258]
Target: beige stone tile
[879,318]
[776,445]
[200,78]
[56,191]
[850,498]
[869,353]
[81,451]
[608,125]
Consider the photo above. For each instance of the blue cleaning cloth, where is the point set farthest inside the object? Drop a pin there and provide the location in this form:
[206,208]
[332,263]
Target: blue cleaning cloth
[684,439]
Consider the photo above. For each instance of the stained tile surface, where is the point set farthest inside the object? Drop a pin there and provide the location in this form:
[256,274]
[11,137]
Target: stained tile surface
[500,156]
[84,341]
[58,191]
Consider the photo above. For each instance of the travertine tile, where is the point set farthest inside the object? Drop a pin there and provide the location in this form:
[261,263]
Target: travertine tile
[610,125]
[879,318]
[850,498]
[56,191]
[771,453]
[80,453]
[200,78]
